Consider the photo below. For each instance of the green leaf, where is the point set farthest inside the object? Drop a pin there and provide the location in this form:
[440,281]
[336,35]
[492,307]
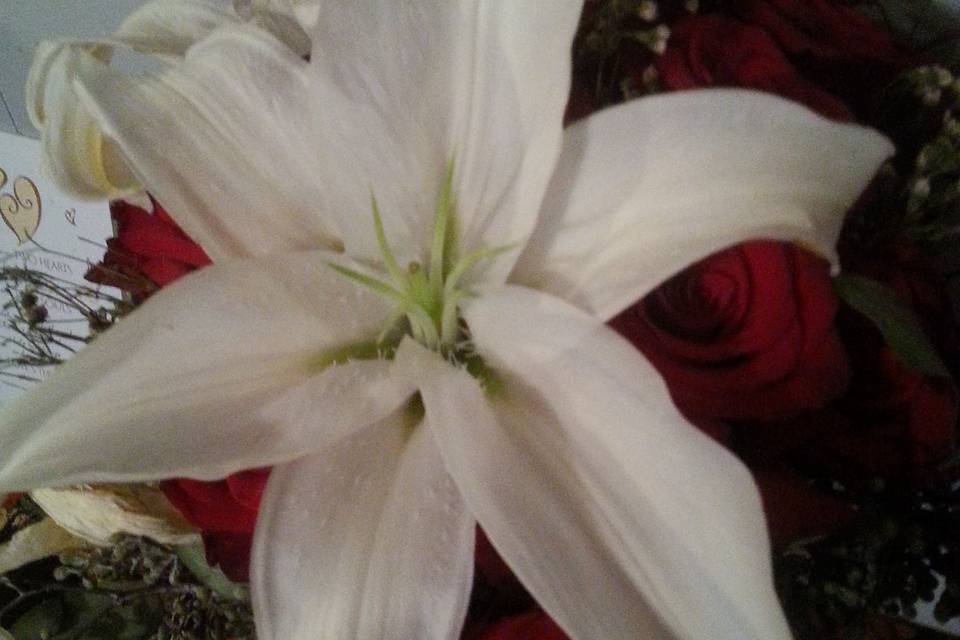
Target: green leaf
[6,635]
[896,322]
[40,622]
[98,616]
[194,558]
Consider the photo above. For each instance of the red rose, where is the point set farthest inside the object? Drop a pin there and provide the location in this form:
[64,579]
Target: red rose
[229,505]
[535,625]
[796,510]
[834,45]
[225,511]
[823,29]
[892,423]
[147,251]
[746,333]
[711,50]
[488,564]
[230,552]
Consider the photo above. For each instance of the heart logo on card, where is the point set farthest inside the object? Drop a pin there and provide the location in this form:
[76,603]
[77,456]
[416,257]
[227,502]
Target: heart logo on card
[21,209]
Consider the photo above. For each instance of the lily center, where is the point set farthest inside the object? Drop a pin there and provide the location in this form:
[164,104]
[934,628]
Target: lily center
[425,297]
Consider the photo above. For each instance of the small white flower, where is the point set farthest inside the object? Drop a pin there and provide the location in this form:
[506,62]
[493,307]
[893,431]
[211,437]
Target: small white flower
[519,408]
[647,10]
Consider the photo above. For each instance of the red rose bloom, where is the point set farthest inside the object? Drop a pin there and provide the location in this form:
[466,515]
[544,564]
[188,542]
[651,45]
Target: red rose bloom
[746,333]
[892,423]
[225,511]
[835,46]
[148,251]
[796,510]
[822,29]
[229,505]
[710,50]
[535,625]
[895,423]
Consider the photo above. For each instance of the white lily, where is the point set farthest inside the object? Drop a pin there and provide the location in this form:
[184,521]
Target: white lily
[495,393]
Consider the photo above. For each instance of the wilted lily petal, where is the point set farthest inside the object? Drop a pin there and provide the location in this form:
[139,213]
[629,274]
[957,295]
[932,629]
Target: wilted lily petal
[368,539]
[35,542]
[226,370]
[84,162]
[648,187]
[245,203]
[76,154]
[98,513]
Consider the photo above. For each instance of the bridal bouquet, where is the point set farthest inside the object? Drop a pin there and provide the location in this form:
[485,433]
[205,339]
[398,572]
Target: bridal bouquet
[501,320]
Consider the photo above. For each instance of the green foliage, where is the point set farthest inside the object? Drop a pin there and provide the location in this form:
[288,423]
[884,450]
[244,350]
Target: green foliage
[40,621]
[927,24]
[194,558]
[920,112]
[135,590]
[897,323]
[887,565]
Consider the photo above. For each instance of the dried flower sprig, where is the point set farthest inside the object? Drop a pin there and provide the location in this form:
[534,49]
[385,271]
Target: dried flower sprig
[47,317]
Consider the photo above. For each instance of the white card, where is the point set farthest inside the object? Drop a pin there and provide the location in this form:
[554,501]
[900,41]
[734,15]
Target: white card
[53,234]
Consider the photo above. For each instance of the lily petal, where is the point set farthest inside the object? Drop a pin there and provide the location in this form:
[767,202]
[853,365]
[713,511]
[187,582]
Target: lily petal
[227,369]
[80,158]
[497,76]
[170,27]
[305,11]
[35,542]
[367,539]
[283,27]
[644,189]
[349,131]
[98,513]
[210,153]
[163,28]
[623,520]
[82,161]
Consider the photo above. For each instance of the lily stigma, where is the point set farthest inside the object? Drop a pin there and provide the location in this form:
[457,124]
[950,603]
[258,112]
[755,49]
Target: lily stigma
[427,298]
[265,155]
